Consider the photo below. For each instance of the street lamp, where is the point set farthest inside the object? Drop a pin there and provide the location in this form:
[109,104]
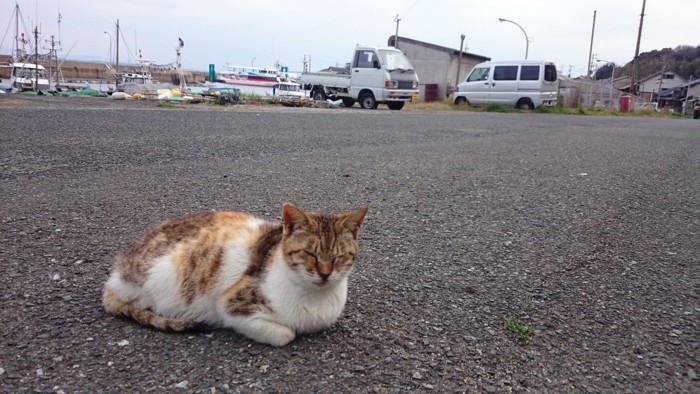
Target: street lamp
[612,79]
[109,58]
[252,62]
[527,40]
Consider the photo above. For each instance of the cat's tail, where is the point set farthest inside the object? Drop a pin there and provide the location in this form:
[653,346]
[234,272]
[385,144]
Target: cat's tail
[146,317]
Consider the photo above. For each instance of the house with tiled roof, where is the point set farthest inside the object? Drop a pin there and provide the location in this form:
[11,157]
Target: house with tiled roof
[650,86]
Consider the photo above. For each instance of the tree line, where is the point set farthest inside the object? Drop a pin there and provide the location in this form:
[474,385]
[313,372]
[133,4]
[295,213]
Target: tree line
[684,60]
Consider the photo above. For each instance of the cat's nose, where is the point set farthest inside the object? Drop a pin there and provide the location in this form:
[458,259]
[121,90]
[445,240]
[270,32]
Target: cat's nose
[324,277]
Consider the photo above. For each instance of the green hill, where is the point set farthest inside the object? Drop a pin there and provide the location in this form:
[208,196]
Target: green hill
[684,60]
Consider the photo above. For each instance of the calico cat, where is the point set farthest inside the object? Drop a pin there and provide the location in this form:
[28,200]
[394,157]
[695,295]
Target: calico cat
[268,281]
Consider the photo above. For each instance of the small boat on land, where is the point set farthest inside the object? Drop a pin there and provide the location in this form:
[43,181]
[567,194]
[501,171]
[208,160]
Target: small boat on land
[138,81]
[250,76]
[258,81]
[23,76]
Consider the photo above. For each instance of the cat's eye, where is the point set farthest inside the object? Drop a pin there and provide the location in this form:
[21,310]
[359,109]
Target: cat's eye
[312,254]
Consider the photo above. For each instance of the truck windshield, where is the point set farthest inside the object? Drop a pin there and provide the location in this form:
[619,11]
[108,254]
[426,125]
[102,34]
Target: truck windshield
[395,60]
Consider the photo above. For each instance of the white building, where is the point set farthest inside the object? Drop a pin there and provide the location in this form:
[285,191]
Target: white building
[437,66]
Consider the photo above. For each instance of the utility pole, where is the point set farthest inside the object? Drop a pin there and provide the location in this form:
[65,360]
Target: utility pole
[685,102]
[459,64]
[307,63]
[661,80]
[396,36]
[633,89]
[590,51]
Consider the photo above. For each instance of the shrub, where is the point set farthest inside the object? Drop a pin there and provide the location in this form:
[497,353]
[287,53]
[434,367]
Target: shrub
[495,108]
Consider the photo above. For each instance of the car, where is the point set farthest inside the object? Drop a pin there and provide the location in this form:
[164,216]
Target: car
[696,109]
[523,84]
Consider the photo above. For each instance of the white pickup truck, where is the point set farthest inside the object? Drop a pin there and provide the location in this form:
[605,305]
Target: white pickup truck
[375,76]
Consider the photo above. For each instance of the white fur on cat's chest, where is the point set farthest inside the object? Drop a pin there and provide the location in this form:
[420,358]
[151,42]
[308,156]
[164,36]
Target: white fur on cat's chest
[305,307]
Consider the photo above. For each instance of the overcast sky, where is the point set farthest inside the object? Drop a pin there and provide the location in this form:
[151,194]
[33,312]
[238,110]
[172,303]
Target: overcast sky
[263,33]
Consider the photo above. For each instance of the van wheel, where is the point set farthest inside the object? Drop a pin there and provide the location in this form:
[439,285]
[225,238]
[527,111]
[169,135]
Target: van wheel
[462,101]
[367,101]
[319,95]
[395,105]
[525,104]
[348,102]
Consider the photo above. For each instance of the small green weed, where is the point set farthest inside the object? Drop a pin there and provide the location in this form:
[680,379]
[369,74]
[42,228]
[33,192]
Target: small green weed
[514,325]
[165,105]
[495,108]
[252,98]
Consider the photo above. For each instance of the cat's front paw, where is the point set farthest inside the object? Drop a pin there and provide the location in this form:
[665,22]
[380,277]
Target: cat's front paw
[263,330]
[277,335]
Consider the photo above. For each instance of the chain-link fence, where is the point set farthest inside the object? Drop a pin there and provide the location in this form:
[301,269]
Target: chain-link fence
[595,94]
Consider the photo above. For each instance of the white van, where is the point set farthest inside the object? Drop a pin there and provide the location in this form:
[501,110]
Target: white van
[523,84]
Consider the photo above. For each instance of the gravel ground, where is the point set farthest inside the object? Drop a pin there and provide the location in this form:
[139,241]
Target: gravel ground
[583,228]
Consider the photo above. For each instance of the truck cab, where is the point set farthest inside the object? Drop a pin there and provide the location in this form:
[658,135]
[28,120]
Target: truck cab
[382,75]
[375,76]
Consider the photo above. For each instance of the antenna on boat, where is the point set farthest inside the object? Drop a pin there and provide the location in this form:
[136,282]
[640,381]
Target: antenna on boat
[59,22]
[53,54]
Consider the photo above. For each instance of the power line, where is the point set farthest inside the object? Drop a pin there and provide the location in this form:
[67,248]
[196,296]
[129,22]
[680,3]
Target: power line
[410,8]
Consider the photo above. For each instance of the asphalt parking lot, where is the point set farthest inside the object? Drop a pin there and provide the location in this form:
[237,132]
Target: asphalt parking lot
[584,229]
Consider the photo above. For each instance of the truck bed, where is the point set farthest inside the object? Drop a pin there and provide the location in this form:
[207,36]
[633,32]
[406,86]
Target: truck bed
[326,79]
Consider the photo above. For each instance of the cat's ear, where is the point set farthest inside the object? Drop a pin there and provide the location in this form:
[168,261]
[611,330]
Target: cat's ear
[293,217]
[353,220]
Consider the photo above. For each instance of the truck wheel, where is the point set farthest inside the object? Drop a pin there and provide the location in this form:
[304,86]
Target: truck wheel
[525,104]
[395,105]
[348,102]
[319,95]
[367,101]
[461,101]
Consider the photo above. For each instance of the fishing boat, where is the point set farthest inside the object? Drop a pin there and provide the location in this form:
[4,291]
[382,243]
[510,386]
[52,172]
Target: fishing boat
[257,80]
[281,88]
[250,76]
[24,76]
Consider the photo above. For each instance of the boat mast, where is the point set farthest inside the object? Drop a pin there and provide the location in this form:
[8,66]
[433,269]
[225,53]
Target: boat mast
[116,75]
[36,58]
[178,62]
[16,53]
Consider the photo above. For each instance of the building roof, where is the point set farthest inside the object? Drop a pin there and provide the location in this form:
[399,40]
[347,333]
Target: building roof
[452,51]
[678,89]
[657,74]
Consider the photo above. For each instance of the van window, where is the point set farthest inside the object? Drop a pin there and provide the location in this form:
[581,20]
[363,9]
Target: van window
[505,73]
[530,73]
[550,73]
[479,74]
